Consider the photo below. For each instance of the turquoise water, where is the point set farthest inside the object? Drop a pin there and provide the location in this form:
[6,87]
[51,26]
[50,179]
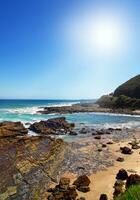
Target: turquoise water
[25,111]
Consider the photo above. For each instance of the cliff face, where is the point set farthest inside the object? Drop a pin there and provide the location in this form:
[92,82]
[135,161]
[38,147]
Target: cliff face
[131,88]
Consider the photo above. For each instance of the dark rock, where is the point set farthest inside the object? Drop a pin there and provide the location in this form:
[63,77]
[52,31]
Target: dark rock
[133,179]
[98,137]
[94,132]
[104,145]
[120,159]
[64,191]
[110,142]
[122,174]
[50,190]
[100,132]
[82,183]
[83,131]
[111,129]
[103,197]
[100,150]
[126,150]
[12,129]
[114,129]
[73,133]
[84,189]
[108,132]
[52,126]
[82,180]
[28,123]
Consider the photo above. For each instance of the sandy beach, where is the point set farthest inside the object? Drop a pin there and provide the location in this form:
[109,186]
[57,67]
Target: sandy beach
[103,181]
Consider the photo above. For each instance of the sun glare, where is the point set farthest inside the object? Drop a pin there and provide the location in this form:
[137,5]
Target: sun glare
[103,35]
[106,36]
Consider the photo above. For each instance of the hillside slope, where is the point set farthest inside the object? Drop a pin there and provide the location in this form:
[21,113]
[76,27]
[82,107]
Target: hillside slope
[131,88]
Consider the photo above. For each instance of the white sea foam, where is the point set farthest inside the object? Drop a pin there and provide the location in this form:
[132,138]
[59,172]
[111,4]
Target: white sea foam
[122,125]
[114,114]
[62,104]
[24,110]
[34,109]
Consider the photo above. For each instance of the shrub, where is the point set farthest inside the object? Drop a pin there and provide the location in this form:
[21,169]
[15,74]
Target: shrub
[132,193]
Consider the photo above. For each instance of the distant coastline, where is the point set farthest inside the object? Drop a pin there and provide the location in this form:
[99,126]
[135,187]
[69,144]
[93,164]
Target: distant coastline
[86,107]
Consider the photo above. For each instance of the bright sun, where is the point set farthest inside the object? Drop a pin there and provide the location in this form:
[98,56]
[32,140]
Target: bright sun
[102,35]
[106,36]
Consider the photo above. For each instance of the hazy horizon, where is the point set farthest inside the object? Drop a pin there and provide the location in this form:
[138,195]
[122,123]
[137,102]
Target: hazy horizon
[67,50]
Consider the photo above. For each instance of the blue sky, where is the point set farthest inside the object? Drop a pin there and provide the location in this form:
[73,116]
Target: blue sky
[48,48]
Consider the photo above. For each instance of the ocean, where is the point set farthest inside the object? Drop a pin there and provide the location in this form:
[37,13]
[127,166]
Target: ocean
[26,112]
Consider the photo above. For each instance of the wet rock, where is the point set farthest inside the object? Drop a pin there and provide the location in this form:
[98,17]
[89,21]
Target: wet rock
[98,137]
[52,126]
[82,183]
[114,129]
[84,131]
[122,174]
[119,188]
[120,159]
[27,123]
[103,197]
[100,132]
[12,129]
[73,133]
[133,179]
[94,132]
[126,150]
[111,129]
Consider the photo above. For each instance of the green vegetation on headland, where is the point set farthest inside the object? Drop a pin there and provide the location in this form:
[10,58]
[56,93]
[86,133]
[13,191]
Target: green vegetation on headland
[122,101]
[131,88]
[132,193]
[126,96]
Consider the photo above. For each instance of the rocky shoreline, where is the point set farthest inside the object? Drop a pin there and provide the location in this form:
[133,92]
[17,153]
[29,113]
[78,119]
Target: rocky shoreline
[85,107]
[29,164]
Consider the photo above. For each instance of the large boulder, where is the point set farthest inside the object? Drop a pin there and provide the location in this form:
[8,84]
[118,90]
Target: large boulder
[82,183]
[133,179]
[11,129]
[52,126]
